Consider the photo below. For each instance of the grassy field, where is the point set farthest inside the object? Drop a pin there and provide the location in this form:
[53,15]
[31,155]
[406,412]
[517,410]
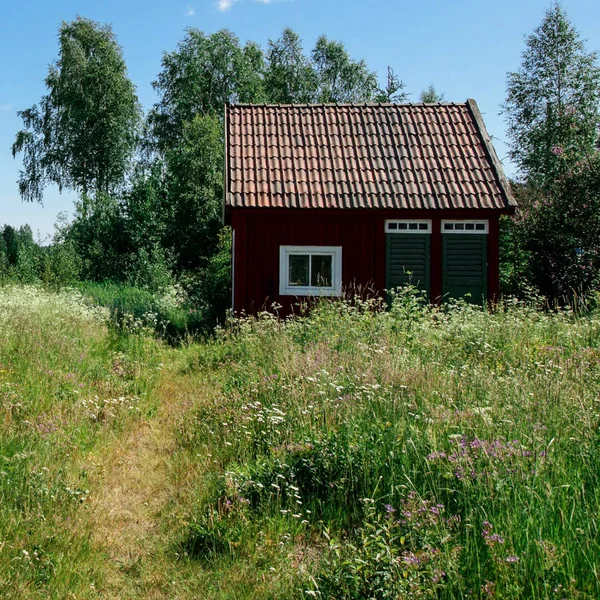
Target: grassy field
[352,453]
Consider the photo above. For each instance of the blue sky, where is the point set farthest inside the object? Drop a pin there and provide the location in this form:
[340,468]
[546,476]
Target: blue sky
[464,47]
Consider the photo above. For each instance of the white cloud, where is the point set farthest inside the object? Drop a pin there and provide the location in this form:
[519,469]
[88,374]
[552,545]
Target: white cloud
[225,5]
[5,107]
[190,12]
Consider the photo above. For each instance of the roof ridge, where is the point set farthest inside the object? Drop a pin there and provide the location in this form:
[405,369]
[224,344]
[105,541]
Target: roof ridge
[340,104]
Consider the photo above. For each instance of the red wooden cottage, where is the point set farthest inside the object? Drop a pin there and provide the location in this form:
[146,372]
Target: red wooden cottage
[325,197]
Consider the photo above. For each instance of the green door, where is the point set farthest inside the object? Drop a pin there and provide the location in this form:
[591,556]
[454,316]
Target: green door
[464,267]
[408,260]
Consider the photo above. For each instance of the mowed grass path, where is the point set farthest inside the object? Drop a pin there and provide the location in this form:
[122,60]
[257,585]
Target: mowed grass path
[94,489]
[71,390]
[353,453]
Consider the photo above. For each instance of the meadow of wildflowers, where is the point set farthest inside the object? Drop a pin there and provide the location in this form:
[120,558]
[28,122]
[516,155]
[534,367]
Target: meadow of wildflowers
[358,451]
[415,452]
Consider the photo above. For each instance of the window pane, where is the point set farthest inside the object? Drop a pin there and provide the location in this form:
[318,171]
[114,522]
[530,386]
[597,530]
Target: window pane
[423,226]
[470,226]
[480,226]
[413,226]
[299,269]
[320,275]
[392,225]
[448,225]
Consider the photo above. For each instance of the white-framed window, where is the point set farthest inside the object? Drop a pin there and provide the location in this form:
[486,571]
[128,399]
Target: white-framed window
[310,270]
[478,227]
[408,226]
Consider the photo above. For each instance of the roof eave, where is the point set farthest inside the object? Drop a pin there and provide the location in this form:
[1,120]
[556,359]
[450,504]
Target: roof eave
[494,160]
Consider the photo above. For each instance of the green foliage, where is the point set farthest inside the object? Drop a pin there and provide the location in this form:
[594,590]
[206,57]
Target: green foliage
[83,134]
[561,234]
[340,78]
[431,96]
[168,221]
[515,261]
[150,269]
[146,208]
[210,289]
[410,557]
[168,313]
[60,265]
[13,241]
[4,262]
[25,261]
[98,234]
[195,191]
[552,110]
[329,75]
[553,101]
[11,244]
[214,534]
[393,91]
[199,78]
[27,267]
[290,77]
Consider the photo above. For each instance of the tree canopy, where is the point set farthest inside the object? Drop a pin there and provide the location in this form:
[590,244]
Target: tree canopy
[553,100]
[431,96]
[290,76]
[340,78]
[84,131]
[552,110]
[198,78]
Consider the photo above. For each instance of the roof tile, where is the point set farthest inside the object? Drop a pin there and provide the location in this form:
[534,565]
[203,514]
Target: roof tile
[362,156]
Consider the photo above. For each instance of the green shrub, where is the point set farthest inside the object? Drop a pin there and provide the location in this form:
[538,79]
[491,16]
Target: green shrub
[168,312]
[409,552]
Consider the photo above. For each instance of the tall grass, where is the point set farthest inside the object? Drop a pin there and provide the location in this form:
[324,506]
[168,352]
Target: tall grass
[415,452]
[68,384]
[352,452]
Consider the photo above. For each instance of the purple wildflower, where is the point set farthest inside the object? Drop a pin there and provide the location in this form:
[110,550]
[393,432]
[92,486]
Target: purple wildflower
[438,575]
[488,589]
[410,558]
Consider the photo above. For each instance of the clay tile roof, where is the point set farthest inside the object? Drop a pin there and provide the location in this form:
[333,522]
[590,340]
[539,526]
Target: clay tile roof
[417,156]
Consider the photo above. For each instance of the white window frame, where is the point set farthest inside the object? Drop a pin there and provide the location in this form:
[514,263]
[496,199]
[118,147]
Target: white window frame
[408,222]
[285,289]
[474,231]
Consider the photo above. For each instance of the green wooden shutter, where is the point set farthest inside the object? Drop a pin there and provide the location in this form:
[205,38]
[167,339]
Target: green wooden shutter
[408,260]
[464,267]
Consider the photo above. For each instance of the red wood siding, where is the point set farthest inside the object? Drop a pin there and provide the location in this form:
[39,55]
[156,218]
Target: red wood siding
[259,233]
